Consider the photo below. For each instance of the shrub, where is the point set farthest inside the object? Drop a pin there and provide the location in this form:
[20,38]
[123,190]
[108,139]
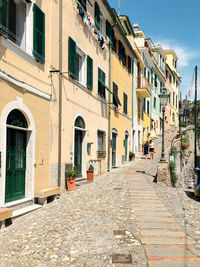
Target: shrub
[91,168]
[172,166]
[174,178]
[174,151]
[70,173]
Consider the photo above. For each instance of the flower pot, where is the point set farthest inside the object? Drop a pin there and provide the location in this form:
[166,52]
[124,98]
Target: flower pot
[70,183]
[90,175]
[132,158]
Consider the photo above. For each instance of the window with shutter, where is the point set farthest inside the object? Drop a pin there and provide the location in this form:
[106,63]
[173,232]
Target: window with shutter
[113,40]
[89,72]
[101,83]
[125,104]
[129,64]
[72,58]
[38,34]
[108,29]
[97,15]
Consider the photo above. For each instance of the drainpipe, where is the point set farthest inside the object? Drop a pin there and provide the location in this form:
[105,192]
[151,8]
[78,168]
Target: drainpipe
[60,96]
[132,96]
[109,99]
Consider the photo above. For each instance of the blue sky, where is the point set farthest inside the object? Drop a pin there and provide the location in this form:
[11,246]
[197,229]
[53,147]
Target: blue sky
[174,24]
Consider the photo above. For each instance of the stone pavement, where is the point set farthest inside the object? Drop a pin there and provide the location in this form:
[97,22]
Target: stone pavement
[117,218]
[164,240]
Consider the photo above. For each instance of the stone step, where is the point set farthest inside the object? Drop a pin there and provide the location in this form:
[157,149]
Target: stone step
[25,210]
[173,263]
[174,251]
[20,204]
[165,240]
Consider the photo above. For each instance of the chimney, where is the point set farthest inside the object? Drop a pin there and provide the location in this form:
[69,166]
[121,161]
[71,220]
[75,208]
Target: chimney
[136,27]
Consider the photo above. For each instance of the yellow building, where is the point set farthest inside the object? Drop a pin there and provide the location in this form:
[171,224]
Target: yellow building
[25,92]
[122,92]
[174,81]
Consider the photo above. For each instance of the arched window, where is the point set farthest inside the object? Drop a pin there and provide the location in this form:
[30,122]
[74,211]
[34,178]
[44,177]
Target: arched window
[79,122]
[16,118]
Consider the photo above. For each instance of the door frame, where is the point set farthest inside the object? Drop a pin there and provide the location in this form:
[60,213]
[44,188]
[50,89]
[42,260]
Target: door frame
[30,148]
[116,161]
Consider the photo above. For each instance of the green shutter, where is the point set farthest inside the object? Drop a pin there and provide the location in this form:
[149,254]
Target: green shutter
[4,16]
[38,34]
[89,72]
[72,58]
[108,29]
[129,64]
[97,16]
[125,103]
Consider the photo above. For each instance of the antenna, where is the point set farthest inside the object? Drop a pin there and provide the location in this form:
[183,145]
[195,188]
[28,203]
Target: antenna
[119,2]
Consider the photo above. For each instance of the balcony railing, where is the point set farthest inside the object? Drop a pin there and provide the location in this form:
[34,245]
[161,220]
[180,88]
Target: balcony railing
[101,154]
[143,87]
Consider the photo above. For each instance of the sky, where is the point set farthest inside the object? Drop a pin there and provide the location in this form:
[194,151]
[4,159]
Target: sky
[174,24]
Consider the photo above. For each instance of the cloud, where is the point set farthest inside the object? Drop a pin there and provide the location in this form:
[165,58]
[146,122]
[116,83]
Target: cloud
[184,53]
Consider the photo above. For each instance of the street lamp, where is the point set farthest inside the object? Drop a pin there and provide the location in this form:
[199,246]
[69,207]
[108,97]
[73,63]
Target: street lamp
[163,101]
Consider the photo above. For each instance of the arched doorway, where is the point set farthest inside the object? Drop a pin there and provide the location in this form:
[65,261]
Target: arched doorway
[78,143]
[15,156]
[126,145]
[114,147]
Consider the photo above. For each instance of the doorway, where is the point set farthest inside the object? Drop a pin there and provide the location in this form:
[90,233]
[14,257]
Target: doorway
[114,149]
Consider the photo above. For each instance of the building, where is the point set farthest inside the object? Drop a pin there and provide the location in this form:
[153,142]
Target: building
[24,100]
[174,80]
[81,90]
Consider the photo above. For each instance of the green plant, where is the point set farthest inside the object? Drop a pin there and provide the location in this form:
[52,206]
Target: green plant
[91,168]
[131,154]
[183,154]
[172,166]
[174,151]
[174,178]
[70,173]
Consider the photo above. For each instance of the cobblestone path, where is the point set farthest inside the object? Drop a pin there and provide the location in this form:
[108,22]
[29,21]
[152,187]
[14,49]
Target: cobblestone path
[164,240]
[117,218]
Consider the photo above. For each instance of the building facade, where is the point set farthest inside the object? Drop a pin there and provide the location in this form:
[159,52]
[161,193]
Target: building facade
[24,100]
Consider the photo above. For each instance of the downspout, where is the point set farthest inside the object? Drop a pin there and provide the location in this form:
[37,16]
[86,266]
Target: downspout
[132,104]
[60,96]
[109,99]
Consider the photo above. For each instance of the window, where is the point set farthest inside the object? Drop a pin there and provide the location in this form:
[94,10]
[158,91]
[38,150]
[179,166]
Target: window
[173,79]
[125,104]
[129,64]
[101,144]
[83,4]
[15,19]
[144,107]
[145,72]
[101,83]
[148,76]
[97,16]
[176,83]
[148,107]
[121,53]
[173,116]
[154,102]
[38,34]
[166,74]
[113,40]
[169,98]
[155,81]
[170,79]
[176,101]
[89,73]
[173,98]
[116,101]
[108,29]
[76,64]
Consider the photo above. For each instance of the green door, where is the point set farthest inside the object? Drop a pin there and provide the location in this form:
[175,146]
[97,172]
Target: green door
[15,165]
[126,147]
[78,152]
[114,149]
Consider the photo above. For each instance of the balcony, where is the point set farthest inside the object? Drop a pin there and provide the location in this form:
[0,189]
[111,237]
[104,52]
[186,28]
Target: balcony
[143,87]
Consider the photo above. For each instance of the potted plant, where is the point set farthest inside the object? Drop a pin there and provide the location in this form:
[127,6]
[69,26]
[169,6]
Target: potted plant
[131,156]
[90,173]
[70,176]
